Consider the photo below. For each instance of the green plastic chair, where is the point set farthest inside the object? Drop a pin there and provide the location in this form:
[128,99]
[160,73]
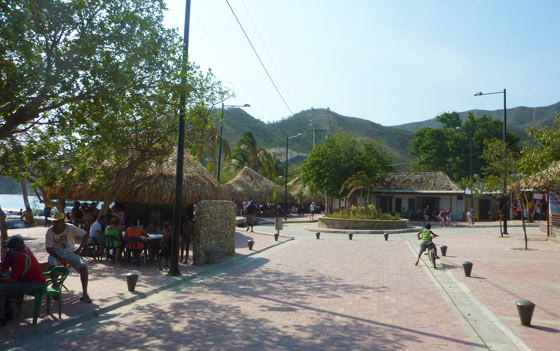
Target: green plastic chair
[53,287]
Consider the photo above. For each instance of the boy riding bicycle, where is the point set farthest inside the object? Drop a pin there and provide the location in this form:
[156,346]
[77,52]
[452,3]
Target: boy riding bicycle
[426,238]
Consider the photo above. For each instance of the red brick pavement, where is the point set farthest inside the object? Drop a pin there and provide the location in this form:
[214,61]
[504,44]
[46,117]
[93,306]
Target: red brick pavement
[305,295]
[502,276]
[107,283]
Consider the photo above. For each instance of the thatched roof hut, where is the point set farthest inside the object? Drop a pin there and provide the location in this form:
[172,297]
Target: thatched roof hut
[420,182]
[546,179]
[155,187]
[250,185]
[297,190]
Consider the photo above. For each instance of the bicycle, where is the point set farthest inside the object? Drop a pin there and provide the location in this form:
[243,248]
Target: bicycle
[432,254]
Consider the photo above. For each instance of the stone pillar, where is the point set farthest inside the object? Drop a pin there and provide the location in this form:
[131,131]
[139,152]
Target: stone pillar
[214,231]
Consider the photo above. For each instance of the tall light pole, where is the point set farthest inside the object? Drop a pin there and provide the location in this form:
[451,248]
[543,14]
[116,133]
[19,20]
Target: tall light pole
[505,199]
[221,133]
[174,265]
[286,178]
[470,165]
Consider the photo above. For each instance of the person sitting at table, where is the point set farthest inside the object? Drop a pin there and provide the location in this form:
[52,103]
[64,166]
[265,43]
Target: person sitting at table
[27,217]
[60,241]
[134,231]
[153,227]
[112,230]
[96,233]
[26,275]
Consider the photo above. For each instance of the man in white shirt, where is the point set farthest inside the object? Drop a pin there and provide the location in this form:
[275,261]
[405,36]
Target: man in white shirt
[60,244]
[96,233]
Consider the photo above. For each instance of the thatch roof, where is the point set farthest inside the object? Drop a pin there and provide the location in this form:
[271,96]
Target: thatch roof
[296,189]
[250,185]
[155,187]
[546,179]
[420,182]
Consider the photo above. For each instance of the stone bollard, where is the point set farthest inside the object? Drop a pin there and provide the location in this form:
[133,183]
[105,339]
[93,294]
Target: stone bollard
[318,235]
[443,250]
[525,310]
[467,266]
[131,280]
[250,243]
[350,235]
[386,235]
[276,236]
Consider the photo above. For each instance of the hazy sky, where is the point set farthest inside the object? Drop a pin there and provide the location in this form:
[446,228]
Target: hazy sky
[390,62]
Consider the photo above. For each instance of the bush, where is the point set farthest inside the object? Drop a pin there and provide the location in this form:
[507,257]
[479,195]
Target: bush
[361,212]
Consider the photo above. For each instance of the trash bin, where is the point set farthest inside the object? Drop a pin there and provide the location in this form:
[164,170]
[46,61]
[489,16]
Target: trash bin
[443,250]
[131,280]
[525,310]
[467,267]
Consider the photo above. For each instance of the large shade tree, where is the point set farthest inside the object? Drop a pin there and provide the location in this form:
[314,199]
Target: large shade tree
[447,148]
[332,162]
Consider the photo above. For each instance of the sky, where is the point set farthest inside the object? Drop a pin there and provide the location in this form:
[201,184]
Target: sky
[390,62]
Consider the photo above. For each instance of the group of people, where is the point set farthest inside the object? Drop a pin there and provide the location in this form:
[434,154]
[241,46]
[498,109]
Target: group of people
[445,217]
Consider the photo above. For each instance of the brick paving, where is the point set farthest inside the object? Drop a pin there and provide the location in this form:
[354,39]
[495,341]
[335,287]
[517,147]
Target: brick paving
[502,276]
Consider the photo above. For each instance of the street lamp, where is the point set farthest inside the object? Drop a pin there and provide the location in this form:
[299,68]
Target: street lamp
[505,200]
[470,165]
[286,180]
[221,131]
[174,264]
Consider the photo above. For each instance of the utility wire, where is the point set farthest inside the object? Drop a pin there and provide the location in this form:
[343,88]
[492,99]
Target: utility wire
[258,57]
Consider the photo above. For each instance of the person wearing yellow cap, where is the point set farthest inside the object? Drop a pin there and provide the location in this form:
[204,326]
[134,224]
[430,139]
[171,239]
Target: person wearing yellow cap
[60,242]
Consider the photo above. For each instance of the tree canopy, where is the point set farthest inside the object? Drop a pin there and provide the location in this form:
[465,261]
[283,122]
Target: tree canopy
[340,157]
[447,148]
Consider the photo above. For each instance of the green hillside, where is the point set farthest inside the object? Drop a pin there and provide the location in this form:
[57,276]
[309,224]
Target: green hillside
[518,118]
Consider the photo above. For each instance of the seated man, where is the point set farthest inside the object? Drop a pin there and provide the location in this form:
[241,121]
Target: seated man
[26,276]
[96,232]
[59,242]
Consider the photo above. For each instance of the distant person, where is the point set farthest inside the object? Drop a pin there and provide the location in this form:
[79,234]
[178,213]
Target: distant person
[448,216]
[426,215]
[443,218]
[76,214]
[47,214]
[27,217]
[312,211]
[250,215]
[470,217]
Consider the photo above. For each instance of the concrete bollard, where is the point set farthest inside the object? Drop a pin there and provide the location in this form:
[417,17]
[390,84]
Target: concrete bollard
[350,235]
[467,267]
[443,250]
[131,280]
[250,243]
[386,235]
[276,236]
[318,235]
[525,310]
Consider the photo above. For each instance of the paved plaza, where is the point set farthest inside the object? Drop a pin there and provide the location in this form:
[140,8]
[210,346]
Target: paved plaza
[327,294]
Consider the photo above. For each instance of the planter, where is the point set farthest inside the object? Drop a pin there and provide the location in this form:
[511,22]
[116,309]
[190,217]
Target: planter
[340,223]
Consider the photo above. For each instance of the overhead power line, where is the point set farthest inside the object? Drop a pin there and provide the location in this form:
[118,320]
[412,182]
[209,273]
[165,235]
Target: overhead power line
[258,57]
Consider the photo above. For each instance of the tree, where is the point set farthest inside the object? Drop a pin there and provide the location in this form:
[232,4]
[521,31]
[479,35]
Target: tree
[447,148]
[340,157]
[247,153]
[56,55]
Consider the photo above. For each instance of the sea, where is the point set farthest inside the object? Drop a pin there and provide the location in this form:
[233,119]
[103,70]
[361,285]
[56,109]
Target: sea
[14,202]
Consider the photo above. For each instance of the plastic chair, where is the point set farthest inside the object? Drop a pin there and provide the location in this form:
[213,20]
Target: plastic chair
[112,246]
[53,287]
[134,246]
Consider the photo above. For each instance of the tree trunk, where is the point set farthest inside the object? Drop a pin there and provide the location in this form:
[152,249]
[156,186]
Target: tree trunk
[3,233]
[24,192]
[523,222]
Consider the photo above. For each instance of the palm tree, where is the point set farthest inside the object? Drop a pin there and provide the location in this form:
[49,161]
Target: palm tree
[359,181]
[247,153]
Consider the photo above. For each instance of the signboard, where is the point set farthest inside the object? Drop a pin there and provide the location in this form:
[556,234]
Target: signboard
[538,196]
[554,203]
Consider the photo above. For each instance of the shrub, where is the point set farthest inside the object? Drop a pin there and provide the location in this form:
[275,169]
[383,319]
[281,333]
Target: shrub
[361,212]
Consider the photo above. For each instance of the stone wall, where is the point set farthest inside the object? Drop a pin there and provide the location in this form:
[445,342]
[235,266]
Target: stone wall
[214,231]
[340,223]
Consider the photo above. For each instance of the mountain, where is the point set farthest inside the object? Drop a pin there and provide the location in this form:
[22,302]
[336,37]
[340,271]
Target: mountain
[518,118]
[273,135]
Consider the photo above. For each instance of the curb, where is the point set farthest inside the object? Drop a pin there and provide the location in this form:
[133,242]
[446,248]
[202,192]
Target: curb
[74,320]
[364,231]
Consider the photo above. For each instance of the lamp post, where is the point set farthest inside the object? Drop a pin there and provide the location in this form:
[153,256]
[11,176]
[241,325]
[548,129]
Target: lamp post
[505,200]
[470,165]
[221,133]
[174,264]
[286,178]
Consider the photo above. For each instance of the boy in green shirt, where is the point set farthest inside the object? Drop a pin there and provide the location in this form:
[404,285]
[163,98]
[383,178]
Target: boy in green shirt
[426,237]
